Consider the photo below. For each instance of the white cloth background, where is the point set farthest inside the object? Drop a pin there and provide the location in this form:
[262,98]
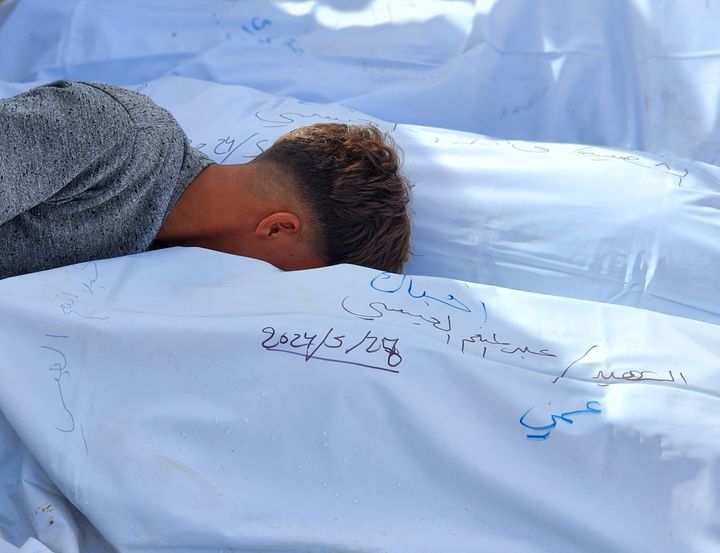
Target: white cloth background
[146,408]
[183,398]
[636,74]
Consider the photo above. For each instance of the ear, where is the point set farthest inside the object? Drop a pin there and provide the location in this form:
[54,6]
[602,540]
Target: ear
[278,225]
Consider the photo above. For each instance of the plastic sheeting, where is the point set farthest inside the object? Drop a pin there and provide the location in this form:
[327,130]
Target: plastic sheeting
[145,406]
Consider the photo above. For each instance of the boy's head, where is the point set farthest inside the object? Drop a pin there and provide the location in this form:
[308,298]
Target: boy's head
[347,180]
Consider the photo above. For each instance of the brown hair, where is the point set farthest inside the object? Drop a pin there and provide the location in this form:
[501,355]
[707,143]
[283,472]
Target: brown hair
[348,176]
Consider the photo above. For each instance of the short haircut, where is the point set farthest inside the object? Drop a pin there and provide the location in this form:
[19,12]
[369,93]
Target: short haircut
[348,176]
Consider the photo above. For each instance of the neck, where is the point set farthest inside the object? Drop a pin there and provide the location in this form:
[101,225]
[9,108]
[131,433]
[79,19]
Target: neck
[209,207]
[241,209]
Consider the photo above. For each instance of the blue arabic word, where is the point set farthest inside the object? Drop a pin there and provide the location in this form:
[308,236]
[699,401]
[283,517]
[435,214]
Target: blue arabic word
[391,288]
[565,417]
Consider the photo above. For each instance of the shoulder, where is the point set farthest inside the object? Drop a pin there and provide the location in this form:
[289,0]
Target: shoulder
[63,113]
[55,135]
[141,110]
[71,103]
[59,98]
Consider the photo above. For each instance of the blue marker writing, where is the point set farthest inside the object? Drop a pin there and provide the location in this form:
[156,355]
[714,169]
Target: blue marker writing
[380,284]
[591,407]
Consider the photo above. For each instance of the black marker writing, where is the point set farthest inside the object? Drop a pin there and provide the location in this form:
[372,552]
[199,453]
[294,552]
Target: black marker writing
[635,376]
[227,147]
[377,309]
[583,356]
[287,118]
[337,348]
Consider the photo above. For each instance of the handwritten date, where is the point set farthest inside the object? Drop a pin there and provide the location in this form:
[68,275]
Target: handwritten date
[371,351]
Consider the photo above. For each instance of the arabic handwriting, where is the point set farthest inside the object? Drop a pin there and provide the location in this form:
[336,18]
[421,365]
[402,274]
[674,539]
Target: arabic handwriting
[304,344]
[59,368]
[544,352]
[590,153]
[257,24]
[635,376]
[379,308]
[583,356]
[79,299]
[587,151]
[530,148]
[377,283]
[591,407]
[226,146]
[90,280]
[387,276]
[259,147]
[258,28]
[285,118]
[475,338]
[503,347]
[231,146]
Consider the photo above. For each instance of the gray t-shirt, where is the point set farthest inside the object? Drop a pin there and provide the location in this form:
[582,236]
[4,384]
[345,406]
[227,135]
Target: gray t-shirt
[87,171]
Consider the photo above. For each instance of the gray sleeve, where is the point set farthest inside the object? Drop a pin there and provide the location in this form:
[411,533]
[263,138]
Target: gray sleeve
[49,135]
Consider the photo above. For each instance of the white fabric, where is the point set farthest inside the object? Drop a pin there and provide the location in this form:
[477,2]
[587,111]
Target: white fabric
[144,406]
[561,219]
[637,74]
[188,399]
[30,546]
